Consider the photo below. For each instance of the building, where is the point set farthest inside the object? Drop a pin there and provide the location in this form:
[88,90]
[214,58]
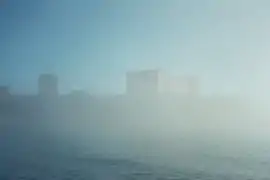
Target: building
[154,82]
[193,86]
[188,86]
[142,82]
[48,86]
[4,93]
[5,99]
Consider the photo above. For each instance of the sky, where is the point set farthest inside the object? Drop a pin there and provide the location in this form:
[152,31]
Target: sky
[91,44]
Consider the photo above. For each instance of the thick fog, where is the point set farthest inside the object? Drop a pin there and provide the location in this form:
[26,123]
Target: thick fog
[177,131]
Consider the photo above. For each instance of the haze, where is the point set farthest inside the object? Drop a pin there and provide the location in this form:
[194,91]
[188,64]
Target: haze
[87,48]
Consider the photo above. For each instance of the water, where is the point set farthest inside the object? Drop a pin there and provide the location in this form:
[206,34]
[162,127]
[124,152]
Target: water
[41,147]
[40,157]
[99,168]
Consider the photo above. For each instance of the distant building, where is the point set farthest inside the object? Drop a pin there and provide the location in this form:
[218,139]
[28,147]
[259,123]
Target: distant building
[5,99]
[144,82]
[48,86]
[193,86]
[153,82]
[188,86]
[79,94]
[4,93]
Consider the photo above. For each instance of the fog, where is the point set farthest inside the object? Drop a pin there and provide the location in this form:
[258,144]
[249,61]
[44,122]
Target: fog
[91,44]
[160,130]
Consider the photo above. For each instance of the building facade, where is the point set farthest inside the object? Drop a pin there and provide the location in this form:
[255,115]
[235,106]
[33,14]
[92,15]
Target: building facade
[154,82]
[48,86]
[142,82]
[4,93]
[6,100]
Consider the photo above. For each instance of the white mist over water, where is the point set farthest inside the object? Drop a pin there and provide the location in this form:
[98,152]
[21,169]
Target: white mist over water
[171,127]
[212,136]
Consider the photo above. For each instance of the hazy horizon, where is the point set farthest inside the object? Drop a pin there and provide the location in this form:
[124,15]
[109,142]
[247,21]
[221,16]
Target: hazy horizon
[91,44]
[217,129]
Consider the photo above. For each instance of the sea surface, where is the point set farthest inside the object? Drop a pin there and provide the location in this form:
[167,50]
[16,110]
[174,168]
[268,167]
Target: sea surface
[36,153]
[100,168]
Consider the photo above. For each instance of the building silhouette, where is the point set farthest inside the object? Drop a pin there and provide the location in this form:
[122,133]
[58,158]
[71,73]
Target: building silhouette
[193,86]
[5,99]
[143,82]
[156,82]
[4,93]
[48,86]
[184,85]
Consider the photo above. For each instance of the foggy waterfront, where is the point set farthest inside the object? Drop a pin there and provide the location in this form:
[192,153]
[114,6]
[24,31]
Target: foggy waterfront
[59,142]
[134,89]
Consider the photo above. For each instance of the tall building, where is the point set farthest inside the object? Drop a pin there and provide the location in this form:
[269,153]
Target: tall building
[153,82]
[4,93]
[5,100]
[48,86]
[142,82]
[188,86]
[193,86]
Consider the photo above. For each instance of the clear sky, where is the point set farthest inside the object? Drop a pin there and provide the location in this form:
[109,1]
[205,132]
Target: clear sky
[90,44]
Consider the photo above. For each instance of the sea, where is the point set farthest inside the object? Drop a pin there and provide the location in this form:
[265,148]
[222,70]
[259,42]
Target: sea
[30,151]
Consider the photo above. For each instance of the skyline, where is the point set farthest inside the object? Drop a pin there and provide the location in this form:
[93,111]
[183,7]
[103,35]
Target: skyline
[91,44]
[153,81]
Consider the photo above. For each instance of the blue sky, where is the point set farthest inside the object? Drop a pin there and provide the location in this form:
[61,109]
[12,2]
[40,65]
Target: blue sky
[90,44]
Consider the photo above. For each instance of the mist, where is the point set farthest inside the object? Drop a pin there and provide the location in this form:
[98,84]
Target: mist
[212,134]
[153,128]
[214,118]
